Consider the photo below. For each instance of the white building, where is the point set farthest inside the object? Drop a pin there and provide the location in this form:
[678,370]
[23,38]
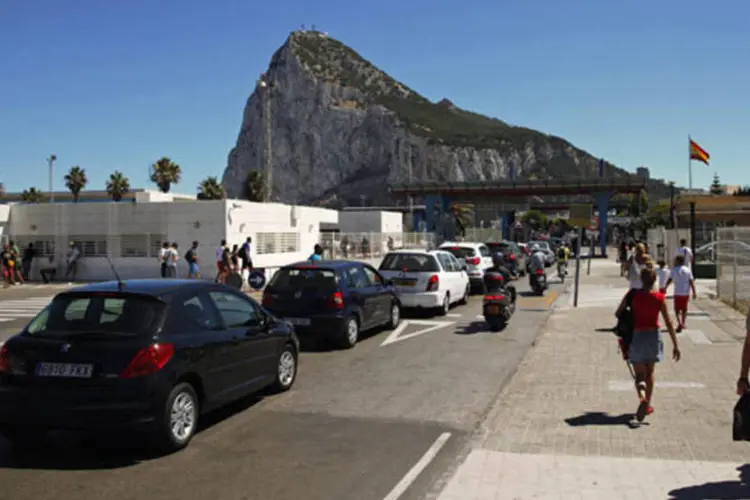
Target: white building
[131,233]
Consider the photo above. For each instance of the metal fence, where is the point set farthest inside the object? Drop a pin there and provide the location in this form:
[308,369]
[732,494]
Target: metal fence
[370,245]
[482,235]
[731,252]
[663,243]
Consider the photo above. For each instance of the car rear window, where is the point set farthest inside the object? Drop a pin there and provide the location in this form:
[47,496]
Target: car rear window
[304,277]
[104,314]
[461,252]
[409,262]
[499,247]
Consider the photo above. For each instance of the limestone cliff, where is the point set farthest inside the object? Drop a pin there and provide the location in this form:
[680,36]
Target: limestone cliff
[342,130]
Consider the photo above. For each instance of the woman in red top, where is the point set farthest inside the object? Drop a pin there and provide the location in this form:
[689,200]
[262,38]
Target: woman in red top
[647,347]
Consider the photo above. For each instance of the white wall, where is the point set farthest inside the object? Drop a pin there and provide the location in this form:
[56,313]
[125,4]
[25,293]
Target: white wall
[366,221]
[4,222]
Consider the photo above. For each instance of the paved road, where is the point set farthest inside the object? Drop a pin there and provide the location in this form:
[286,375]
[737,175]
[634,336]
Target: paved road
[354,426]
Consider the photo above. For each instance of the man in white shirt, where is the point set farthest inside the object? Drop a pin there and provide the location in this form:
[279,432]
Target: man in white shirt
[682,277]
[163,254]
[173,255]
[685,251]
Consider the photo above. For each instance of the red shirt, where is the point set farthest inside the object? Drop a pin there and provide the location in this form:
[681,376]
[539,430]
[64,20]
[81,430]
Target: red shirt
[646,310]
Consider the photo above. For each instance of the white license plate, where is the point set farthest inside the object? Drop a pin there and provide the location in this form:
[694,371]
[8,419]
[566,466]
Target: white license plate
[299,321]
[69,370]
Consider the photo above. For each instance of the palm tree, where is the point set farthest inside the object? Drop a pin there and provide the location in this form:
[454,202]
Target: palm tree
[117,185]
[75,181]
[164,173]
[211,189]
[33,195]
[256,186]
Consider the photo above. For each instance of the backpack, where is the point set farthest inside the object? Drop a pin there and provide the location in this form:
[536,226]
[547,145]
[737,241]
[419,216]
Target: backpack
[741,420]
[189,257]
[561,252]
[624,328]
[242,254]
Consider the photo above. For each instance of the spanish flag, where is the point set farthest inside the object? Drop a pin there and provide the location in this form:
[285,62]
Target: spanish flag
[698,153]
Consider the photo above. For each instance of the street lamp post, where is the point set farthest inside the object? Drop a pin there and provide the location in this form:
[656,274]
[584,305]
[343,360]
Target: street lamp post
[267,89]
[51,165]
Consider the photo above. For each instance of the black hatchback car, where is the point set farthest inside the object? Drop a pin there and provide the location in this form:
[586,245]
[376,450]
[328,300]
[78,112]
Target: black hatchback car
[337,299]
[150,355]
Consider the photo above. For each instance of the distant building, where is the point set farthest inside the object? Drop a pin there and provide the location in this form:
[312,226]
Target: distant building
[731,188]
[643,172]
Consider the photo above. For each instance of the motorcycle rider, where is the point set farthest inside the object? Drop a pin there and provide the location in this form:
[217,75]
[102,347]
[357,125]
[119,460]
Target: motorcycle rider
[491,282]
[537,262]
[562,254]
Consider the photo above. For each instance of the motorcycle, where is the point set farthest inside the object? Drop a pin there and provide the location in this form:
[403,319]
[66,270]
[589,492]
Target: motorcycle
[498,307]
[562,271]
[538,282]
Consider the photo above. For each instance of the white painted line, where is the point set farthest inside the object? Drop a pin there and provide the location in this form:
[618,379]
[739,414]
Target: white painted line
[2,320]
[396,336]
[627,385]
[698,337]
[452,315]
[418,467]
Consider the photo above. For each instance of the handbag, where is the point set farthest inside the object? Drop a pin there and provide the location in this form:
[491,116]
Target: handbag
[741,421]
[624,328]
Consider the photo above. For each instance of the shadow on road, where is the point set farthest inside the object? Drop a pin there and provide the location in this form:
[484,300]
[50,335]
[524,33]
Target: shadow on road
[100,450]
[472,328]
[723,490]
[597,418]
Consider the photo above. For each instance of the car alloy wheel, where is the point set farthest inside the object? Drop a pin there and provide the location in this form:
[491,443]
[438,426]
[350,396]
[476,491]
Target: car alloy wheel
[395,315]
[287,369]
[183,416]
[446,305]
[352,331]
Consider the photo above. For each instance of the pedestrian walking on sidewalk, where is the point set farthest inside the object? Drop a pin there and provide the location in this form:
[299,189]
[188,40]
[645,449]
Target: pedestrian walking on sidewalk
[647,346]
[682,277]
[636,264]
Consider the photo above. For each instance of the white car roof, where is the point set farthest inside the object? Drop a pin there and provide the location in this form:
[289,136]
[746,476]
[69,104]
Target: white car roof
[422,251]
[461,244]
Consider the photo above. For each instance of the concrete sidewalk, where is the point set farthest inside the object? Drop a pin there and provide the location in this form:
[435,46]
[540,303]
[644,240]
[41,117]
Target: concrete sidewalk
[563,426]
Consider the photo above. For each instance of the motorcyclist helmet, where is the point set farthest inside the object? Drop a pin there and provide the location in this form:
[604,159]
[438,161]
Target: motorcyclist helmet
[498,259]
[535,248]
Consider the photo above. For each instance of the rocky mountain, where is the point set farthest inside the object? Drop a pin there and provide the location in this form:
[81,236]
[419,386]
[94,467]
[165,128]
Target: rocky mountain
[342,130]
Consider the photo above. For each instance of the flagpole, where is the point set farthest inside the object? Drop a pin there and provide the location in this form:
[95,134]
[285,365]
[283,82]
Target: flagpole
[690,164]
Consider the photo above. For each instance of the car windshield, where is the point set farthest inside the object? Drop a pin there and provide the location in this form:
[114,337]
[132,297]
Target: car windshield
[460,252]
[304,277]
[97,315]
[409,263]
[501,247]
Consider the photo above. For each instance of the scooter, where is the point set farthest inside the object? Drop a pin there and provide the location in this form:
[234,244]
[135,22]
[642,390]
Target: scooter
[538,282]
[498,307]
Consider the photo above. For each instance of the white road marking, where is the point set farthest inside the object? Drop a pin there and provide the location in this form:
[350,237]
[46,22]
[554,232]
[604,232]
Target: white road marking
[453,315]
[396,336]
[417,469]
[627,385]
[698,337]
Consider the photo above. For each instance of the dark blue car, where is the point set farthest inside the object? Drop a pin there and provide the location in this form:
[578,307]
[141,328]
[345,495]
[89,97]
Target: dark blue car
[333,299]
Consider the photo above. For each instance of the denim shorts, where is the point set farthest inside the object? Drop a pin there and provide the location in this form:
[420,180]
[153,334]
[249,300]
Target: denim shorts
[646,347]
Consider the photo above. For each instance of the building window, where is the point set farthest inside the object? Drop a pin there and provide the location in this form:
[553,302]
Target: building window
[134,245]
[44,245]
[155,243]
[92,246]
[267,243]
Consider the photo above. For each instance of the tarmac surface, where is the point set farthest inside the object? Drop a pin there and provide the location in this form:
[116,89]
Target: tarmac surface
[386,420]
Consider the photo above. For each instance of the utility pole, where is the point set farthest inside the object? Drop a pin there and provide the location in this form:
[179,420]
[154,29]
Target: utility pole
[51,164]
[267,90]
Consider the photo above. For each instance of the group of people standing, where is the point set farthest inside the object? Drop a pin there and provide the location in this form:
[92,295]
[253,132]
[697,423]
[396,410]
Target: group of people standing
[228,260]
[645,305]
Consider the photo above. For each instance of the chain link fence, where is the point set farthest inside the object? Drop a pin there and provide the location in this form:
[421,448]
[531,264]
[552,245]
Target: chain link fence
[371,245]
[482,235]
[731,253]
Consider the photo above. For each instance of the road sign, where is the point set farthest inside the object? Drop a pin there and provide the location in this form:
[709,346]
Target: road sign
[580,215]
[257,280]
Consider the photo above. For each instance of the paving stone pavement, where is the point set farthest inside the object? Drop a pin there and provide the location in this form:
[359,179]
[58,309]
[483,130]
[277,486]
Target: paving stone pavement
[563,426]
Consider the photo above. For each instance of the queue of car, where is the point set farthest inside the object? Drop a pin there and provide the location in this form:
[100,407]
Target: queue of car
[155,355]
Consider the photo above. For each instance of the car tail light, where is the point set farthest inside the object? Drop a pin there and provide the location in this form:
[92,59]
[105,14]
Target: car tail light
[539,272]
[149,360]
[266,298]
[512,257]
[4,360]
[336,301]
[496,277]
[433,283]
[474,261]
[489,298]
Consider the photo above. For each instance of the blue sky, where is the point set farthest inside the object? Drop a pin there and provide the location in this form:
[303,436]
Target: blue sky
[116,84]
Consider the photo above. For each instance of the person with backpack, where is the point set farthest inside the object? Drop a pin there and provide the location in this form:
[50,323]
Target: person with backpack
[563,254]
[191,257]
[638,315]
